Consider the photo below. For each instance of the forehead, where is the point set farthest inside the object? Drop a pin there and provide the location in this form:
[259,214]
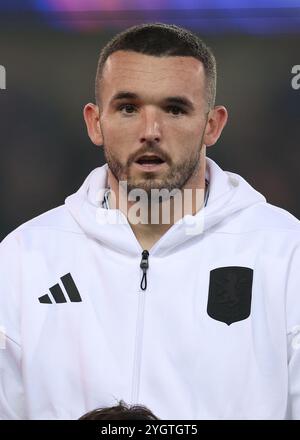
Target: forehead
[161,75]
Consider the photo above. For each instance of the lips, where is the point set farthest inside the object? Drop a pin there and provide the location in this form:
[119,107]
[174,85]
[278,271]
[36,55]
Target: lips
[150,163]
[147,159]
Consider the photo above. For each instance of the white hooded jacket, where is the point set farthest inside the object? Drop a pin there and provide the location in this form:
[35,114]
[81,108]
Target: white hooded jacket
[215,335]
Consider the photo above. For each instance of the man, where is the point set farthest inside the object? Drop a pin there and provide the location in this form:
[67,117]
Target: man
[101,302]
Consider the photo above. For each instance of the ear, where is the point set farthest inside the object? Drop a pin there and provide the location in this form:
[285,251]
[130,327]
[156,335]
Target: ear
[91,114]
[216,121]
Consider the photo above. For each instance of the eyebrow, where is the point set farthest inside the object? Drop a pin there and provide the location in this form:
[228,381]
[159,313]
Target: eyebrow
[180,100]
[124,95]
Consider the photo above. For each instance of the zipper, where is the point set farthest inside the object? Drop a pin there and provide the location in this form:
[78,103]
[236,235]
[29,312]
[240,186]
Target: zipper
[144,265]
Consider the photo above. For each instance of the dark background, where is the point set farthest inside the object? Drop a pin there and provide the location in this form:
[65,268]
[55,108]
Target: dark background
[50,68]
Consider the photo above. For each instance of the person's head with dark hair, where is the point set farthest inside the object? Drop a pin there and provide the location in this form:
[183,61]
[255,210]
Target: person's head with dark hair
[122,411]
[155,110]
[162,40]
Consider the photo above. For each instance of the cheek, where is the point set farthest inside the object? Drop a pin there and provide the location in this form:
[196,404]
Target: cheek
[187,128]
[116,133]
[112,136]
[183,140]
[117,142]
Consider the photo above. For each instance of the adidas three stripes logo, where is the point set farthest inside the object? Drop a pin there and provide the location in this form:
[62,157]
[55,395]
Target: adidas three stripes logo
[58,294]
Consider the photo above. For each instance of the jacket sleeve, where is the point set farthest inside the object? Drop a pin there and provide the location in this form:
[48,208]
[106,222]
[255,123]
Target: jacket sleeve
[293,334]
[11,391]
[11,387]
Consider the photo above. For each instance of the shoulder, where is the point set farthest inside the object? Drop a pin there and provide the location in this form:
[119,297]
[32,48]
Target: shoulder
[263,217]
[56,221]
[270,216]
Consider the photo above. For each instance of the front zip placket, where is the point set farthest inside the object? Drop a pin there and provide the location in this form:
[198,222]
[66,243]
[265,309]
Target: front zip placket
[144,265]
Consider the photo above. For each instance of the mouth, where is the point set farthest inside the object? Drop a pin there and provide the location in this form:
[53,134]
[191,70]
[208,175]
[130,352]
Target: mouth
[149,162]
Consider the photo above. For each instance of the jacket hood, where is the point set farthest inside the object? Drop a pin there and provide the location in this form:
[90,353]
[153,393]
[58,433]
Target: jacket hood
[228,194]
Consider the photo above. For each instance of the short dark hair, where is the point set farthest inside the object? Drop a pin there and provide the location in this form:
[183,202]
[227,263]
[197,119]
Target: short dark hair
[159,39]
[122,411]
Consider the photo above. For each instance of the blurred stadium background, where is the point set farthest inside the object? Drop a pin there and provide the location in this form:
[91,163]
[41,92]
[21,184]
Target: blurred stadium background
[49,49]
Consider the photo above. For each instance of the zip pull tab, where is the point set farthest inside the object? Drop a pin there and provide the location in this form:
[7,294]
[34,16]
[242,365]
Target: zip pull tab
[144,266]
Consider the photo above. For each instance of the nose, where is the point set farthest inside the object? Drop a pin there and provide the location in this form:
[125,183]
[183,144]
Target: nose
[151,128]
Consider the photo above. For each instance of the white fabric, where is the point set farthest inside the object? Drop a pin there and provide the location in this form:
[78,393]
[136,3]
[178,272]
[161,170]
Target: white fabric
[159,347]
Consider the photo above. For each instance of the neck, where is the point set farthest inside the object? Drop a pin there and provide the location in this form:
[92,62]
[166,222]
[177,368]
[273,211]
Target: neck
[149,221]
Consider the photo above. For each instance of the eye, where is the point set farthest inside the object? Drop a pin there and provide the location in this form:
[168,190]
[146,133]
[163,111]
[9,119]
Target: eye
[175,110]
[127,108]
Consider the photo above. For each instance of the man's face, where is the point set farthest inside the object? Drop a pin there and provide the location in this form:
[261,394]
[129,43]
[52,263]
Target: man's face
[153,106]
